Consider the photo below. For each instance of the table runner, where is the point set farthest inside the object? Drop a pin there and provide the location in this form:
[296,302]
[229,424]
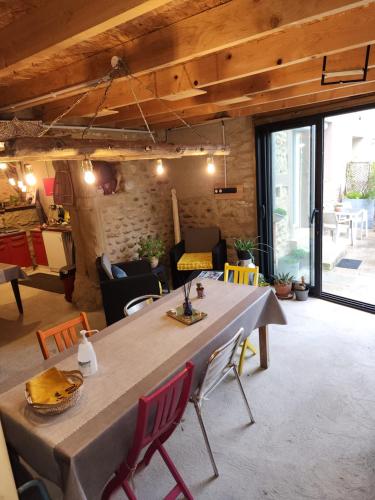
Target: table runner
[9,272]
[81,448]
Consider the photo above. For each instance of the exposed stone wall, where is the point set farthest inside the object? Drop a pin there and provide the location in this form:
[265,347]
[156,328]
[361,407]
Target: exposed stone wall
[144,208]
[197,205]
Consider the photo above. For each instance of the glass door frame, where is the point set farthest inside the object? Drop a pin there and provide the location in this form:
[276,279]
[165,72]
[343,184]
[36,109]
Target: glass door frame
[264,197]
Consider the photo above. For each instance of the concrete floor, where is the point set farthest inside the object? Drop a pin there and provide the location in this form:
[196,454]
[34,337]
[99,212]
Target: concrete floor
[354,283]
[314,408]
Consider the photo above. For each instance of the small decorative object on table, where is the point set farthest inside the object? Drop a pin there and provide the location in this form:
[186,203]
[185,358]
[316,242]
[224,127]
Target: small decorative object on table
[200,291]
[54,391]
[301,289]
[188,310]
[179,315]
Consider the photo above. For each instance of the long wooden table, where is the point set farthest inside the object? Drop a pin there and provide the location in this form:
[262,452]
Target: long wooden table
[80,449]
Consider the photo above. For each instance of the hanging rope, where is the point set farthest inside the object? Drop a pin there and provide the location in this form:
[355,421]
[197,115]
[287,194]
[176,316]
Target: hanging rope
[140,110]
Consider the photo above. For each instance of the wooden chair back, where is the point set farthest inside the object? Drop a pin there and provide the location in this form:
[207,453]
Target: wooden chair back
[8,488]
[65,334]
[241,275]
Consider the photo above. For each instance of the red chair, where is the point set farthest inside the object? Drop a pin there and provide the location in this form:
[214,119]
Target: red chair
[158,416]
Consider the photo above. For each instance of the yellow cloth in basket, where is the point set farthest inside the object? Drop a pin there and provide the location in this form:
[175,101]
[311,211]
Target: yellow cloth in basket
[192,261]
[50,387]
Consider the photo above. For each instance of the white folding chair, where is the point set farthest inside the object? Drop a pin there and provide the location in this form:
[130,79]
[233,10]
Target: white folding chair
[220,364]
[139,303]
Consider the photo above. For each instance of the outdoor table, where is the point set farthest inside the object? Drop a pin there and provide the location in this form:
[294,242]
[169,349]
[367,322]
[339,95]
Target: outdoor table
[10,272]
[79,450]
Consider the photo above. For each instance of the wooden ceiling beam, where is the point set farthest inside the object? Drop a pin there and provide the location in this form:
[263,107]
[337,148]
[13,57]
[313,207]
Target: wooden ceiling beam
[225,26]
[295,44]
[60,24]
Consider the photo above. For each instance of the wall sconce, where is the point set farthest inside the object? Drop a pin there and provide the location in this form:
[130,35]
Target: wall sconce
[3,166]
[88,172]
[210,165]
[159,167]
[30,178]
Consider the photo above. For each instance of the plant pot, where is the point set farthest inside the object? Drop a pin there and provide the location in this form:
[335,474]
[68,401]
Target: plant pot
[301,294]
[283,290]
[244,255]
[154,261]
[246,263]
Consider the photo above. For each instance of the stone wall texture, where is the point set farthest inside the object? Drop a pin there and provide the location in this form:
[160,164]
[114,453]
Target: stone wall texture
[197,205]
[143,208]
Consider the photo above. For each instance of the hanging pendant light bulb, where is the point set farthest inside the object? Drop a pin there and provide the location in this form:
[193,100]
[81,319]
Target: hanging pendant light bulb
[12,181]
[29,176]
[20,184]
[210,165]
[24,189]
[159,167]
[88,172]
[3,166]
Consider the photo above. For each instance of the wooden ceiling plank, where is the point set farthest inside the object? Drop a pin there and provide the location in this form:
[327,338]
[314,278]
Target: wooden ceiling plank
[348,30]
[60,24]
[224,26]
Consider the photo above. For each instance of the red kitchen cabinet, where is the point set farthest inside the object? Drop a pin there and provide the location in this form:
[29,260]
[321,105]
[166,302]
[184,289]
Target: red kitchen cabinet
[39,248]
[4,251]
[19,250]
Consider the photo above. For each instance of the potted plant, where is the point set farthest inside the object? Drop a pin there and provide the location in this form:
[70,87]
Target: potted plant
[151,249]
[245,251]
[279,214]
[301,289]
[262,281]
[283,284]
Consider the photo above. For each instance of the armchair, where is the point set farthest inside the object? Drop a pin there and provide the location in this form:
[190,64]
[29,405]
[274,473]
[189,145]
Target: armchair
[202,249]
[117,292]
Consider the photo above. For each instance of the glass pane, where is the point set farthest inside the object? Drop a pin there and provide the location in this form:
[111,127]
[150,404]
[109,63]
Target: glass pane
[348,267]
[292,201]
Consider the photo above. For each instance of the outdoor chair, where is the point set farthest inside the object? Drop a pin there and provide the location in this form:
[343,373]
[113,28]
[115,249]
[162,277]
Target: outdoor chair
[242,276]
[139,303]
[336,224]
[158,416]
[220,364]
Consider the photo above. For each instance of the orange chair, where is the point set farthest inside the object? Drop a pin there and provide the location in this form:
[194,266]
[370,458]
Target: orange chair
[65,334]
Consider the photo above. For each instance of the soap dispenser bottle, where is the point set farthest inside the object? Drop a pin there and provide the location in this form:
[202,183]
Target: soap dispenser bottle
[87,361]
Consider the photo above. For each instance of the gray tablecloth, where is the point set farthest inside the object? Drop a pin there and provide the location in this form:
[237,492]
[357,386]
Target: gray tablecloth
[9,272]
[79,450]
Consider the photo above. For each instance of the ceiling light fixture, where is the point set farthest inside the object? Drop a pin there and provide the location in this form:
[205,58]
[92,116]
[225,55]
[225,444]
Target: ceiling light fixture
[30,178]
[88,172]
[3,166]
[12,181]
[210,165]
[160,167]
[20,184]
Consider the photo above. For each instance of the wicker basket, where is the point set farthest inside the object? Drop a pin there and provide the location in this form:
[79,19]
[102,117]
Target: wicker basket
[75,377]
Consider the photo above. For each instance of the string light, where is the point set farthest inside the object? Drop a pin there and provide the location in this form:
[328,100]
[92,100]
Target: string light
[3,166]
[12,181]
[159,167]
[88,172]
[210,165]
[30,177]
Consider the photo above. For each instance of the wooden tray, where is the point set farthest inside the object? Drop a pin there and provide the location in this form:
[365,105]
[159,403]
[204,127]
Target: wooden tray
[178,314]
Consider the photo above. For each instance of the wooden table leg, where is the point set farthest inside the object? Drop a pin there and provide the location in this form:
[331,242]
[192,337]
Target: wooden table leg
[17,295]
[263,347]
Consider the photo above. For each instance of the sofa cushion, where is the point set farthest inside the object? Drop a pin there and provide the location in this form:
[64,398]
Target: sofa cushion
[106,265]
[117,272]
[192,261]
[201,239]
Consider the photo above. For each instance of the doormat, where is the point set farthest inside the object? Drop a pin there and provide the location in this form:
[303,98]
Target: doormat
[349,263]
[46,282]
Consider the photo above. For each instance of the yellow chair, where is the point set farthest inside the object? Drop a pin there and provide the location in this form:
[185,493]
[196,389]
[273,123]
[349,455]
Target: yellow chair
[241,276]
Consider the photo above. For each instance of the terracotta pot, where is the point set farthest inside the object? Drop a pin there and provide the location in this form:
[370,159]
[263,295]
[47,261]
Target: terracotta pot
[283,290]
[154,261]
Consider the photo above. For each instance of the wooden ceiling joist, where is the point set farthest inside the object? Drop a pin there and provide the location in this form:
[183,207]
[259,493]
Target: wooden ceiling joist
[55,148]
[296,44]
[62,24]
[233,25]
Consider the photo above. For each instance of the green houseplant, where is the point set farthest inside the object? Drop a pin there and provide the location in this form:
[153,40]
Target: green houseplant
[283,284]
[151,249]
[245,250]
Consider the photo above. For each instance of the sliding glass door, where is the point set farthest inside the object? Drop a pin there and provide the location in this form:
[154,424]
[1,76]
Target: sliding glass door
[287,200]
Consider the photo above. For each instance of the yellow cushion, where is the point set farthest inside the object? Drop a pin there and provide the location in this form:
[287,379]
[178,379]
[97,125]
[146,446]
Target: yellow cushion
[192,261]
